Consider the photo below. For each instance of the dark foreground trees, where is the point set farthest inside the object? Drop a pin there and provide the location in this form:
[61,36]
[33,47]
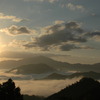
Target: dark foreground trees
[85,89]
[8,91]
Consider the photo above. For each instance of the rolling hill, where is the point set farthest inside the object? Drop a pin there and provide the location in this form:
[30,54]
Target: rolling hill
[32,69]
[9,64]
[56,76]
[33,97]
[57,65]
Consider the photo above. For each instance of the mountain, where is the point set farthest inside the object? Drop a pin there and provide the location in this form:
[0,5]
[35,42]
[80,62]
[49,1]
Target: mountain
[85,67]
[32,69]
[56,76]
[85,89]
[90,74]
[59,66]
[34,60]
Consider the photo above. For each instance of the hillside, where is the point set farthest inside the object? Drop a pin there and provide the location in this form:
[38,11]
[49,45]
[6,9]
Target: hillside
[34,60]
[90,74]
[85,89]
[33,97]
[32,69]
[55,76]
[59,66]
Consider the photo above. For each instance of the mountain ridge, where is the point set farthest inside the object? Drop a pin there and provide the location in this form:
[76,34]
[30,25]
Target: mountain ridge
[56,76]
[60,66]
[85,89]
[32,69]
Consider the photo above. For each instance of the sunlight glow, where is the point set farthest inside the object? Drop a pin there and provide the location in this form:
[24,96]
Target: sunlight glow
[2,46]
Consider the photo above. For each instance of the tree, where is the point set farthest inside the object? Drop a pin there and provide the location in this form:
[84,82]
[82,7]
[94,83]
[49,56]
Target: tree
[8,91]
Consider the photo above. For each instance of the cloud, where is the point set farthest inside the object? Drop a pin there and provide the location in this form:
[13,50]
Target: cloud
[59,36]
[68,47]
[50,1]
[21,44]
[58,22]
[10,17]
[74,7]
[15,54]
[44,88]
[17,43]
[61,33]
[93,35]
[18,30]
[37,87]
[80,8]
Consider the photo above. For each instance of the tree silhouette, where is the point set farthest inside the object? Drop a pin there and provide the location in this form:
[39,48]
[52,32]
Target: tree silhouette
[8,91]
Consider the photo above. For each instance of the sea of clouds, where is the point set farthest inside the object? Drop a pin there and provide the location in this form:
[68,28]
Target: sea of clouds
[36,87]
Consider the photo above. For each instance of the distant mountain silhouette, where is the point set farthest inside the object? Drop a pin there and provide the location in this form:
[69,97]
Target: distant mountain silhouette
[59,66]
[34,60]
[33,97]
[85,89]
[90,74]
[57,76]
[33,69]
[85,67]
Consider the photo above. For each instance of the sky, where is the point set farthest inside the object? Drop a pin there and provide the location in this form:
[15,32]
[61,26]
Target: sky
[67,29]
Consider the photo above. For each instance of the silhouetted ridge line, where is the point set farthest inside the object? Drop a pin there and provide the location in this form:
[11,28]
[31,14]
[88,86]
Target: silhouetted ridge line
[33,97]
[57,76]
[33,69]
[85,89]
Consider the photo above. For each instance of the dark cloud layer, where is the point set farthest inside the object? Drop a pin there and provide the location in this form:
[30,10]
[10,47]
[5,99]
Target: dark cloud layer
[63,36]
[92,34]
[17,30]
[59,34]
[68,47]
[14,30]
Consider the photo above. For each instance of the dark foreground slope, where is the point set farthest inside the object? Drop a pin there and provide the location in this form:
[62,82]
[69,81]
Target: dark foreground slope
[8,91]
[85,89]
[33,97]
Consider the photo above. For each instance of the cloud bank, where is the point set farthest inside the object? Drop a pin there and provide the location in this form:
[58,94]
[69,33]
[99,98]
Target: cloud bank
[43,88]
[61,36]
[75,7]
[10,17]
[18,30]
[36,87]
[50,1]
